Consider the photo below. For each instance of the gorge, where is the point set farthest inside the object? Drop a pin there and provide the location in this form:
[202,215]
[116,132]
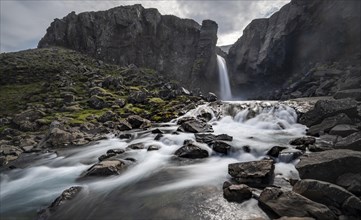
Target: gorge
[128,113]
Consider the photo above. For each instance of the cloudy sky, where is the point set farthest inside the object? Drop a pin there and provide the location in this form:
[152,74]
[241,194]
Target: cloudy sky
[24,22]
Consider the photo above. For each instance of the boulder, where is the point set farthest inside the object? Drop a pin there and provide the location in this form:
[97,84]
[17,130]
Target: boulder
[137,146]
[328,123]
[327,108]
[67,195]
[328,194]
[328,165]
[60,138]
[275,151]
[343,130]
[153,147]
[196,126]
[351,182]
[236,193]
[138,122]
[192,151]
[97,102]
[289,203]
[349,93]
[211,97]
[137,97]
[221,147]
[124,125]
[210,138]
[352,142]
[105,168]
[255,173]
[303,141]
[26,120]
[107,116]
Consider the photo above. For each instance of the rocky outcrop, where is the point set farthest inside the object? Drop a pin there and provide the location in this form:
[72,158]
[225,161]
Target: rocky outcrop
[296,46]
[179,48]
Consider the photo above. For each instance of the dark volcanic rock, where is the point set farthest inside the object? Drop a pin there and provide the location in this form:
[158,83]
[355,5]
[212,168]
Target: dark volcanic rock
[343,130]
[221,147]
[350,93]
[67,195]
[351,182]
[210,138]
[328,194]
[288,203]
[137,146]
[352,142]
[254,173]
[328,123]
[124,35]
[190,150]
[275,151]
[236,193]
[196,126]
[303,141]
[327,108]
[329,165]
[105,168]
[291,42]
[138,122]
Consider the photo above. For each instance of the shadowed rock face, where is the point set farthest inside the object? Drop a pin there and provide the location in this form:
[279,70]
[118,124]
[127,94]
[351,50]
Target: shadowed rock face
[181,48]
[292,41]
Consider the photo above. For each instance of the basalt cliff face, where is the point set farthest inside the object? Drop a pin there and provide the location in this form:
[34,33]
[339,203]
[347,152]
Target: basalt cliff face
[297,42]
[178,48]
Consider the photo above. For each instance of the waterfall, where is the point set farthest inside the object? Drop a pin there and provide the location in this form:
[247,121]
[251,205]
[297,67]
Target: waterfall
[225,87]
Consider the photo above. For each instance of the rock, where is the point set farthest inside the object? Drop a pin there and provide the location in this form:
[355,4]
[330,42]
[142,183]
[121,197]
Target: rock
[221,147]
[343,130]
[124,136]
[236,193]
[289,155]
[211,97]
[106,156]
[352,142]
[105,168]
[196,126]
[124,125]
[328,123]
[351,182]
[328,194]
[26,120]
[328,165]
[137,146]
[60,138]
[275,151]
[115,151]
[210,138]
[288,203]
[179,47]
[137,97]
[327,108]
[158,137]
[153,147]
[107,116]
[191,151]
[254,173]
[350,93]
[157,131]
[67,195]
[303,141]
[138,122]
[97,102]
[259,61]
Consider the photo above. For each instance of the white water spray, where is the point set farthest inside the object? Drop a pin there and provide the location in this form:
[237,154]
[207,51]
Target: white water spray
[225,87]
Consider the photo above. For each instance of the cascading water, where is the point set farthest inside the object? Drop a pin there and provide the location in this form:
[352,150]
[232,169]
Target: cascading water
[157,185]
[225,87]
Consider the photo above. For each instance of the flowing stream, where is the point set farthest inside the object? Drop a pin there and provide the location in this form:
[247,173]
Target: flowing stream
[158,185]
[224,85]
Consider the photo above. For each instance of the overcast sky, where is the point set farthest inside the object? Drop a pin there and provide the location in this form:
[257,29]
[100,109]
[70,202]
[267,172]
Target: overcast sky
[23,23]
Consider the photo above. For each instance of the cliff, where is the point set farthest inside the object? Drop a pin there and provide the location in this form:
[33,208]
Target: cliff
[303,36]
[178,48]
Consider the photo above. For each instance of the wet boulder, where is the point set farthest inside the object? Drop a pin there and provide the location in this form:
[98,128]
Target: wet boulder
[221,147]
[303,141]
[137,146]
[192,151]
[329,165]
[328,194]
[211,97]
[254,173]
[67,195]
[196,126]
[105,168]
[210,138]
[124,125]
[275,151]
[60,138]
[351,182]
[153,147]
[291,204]
[236,192]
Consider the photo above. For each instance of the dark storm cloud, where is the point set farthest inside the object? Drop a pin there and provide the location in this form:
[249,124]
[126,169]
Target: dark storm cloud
[23,23]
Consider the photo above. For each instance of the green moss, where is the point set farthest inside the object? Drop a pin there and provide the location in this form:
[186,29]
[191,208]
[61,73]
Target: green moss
[156,100]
